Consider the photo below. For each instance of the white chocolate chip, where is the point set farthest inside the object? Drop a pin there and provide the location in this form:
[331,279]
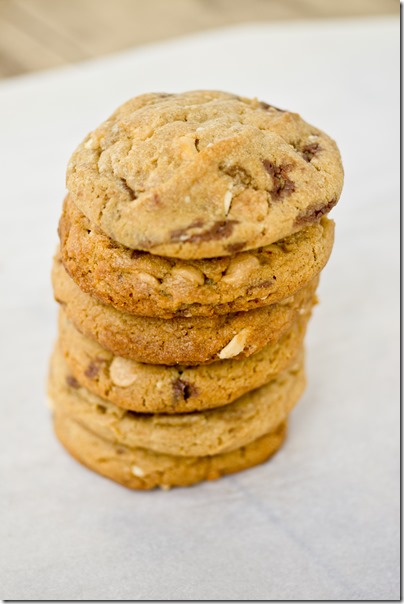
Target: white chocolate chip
[189,273]
[240,269]
[312,138]
[235,346]
[149,279]
[136,471]
[227,201]
[187,199]
[122,372]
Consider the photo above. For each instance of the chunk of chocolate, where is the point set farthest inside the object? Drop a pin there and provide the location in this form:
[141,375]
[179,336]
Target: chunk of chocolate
[72,382]
[218,230]
[314,213]
[283,186]
[183,390]
[309,151]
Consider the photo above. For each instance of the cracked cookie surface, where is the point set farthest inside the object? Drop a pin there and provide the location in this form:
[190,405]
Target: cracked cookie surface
[138,468]
[165,389]
[178,341]
[144,284]
[203,174]
[201,433]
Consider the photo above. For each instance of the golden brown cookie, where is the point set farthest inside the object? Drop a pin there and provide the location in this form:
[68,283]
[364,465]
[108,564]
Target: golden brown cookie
[144,284]
[203,174]
[166,389]
[143,469]
[178,341]
[201,433]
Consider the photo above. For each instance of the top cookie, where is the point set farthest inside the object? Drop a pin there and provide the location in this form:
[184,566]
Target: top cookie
[203,174]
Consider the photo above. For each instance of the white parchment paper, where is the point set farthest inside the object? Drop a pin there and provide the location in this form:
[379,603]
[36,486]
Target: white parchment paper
[319,521]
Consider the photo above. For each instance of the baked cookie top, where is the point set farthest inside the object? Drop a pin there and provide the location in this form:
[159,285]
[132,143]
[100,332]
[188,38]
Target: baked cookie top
[203,174]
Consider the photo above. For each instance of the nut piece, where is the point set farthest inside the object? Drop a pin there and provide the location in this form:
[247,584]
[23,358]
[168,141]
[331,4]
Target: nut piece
[122,372]
[227,201]
[136,471]
[189,273]
[240,269]
[149,279]
[235,346]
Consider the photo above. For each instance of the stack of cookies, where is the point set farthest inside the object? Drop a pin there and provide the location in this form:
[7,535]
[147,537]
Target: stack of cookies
[191,242]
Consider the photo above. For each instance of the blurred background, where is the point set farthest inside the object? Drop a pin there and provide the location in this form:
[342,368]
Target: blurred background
[41,34]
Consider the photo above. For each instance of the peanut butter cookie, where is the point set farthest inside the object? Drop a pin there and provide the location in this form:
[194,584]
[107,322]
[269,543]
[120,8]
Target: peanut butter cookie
[166,389]
[138,468]
[203,174]
[145,284]
[178,341]
[200,433]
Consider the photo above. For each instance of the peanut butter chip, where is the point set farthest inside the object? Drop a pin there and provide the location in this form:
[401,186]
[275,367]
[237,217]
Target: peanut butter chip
[189,273]
[122,372]
[240,269]
[235,346]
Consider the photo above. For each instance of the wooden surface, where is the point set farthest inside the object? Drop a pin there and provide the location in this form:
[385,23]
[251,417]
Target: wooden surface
[39,34]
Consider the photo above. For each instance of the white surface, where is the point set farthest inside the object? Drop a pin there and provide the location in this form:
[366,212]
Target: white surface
[320,521]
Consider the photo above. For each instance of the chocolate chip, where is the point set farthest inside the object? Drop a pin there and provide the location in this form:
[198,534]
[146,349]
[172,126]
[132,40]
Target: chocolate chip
[183,390]
[178,234]
[283,186]
[235,247]
[219,230]
[314,213]
[92,370]
[309,151]
[72,382]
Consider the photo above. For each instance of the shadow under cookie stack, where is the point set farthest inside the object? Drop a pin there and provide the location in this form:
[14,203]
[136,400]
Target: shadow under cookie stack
[191,242]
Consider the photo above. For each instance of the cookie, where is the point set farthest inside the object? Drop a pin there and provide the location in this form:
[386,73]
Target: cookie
[138,468]
[166,389]
[144,284]
[178,341]
[200,433]
[203,174]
